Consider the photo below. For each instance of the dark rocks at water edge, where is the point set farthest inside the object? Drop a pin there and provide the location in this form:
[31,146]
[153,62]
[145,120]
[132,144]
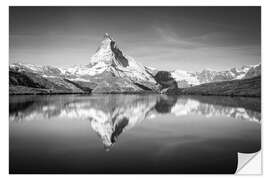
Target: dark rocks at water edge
[111,71]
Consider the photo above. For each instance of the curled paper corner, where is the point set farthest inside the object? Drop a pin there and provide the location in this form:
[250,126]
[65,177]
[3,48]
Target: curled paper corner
[249,164]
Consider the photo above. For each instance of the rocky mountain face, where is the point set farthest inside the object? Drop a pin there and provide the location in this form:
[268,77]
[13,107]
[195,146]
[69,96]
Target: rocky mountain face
[187,79]
[253,71]
[109,71]
[165,79]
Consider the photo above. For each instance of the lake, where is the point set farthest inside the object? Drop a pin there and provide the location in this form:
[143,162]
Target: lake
[131,133]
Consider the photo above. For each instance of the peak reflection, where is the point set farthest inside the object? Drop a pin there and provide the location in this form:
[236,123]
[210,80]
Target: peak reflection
[112,115]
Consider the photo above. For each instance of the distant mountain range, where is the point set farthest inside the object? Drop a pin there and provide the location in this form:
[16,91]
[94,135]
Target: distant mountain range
[186,79]
[110,71]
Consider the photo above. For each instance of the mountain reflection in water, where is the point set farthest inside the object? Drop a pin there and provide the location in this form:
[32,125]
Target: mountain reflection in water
[158,133]
[110,115]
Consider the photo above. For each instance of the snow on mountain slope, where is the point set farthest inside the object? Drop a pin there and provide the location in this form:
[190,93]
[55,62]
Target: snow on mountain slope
[151,70]
[253,71]
[110,70]
[82,71]
[110,58]
[187,79]
[45,71]
[108,67]
[240,73]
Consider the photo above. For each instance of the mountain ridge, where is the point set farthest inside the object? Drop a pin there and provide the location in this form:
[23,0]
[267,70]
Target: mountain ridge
[111,71]
[250,87]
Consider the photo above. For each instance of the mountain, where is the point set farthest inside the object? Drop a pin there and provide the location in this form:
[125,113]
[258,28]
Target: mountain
[184,78]
[253,71]
[187,79]
[165,79]
[30,79]
[240,87]
[109,71]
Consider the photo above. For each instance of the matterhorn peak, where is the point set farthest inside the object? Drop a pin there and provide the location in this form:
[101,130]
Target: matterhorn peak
[108,54]
[110,58]
[107,36]
[106,42]
[104,52]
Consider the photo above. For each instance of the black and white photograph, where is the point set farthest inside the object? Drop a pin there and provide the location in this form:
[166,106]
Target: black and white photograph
[133,89]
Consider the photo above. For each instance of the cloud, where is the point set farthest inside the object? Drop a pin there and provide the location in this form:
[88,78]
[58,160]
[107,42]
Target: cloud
[170,37]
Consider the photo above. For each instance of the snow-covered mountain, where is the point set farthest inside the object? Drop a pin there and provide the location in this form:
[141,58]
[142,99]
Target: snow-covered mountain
[109,58]
[187,79]
[109,70]
[184,78]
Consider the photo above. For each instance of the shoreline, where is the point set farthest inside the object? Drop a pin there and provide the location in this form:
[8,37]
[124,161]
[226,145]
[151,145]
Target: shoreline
[135,93]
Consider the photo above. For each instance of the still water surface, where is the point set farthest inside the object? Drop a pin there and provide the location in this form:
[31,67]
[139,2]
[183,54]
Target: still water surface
[131,133]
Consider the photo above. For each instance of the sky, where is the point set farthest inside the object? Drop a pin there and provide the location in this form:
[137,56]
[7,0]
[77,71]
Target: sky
[167,38]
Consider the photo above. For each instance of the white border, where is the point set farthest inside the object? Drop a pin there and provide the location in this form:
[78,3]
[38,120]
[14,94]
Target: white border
[4,78]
